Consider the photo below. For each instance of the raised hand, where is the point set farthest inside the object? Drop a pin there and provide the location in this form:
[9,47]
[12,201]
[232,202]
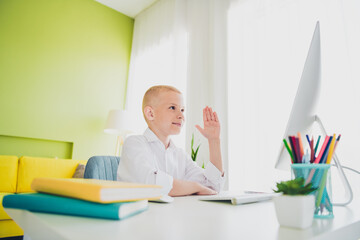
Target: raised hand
[211,129]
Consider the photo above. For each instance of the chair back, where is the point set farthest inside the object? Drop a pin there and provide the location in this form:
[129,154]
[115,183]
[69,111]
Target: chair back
[102,167]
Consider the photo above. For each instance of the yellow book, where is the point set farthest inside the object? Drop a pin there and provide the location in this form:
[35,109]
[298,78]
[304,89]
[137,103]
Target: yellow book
[94,190]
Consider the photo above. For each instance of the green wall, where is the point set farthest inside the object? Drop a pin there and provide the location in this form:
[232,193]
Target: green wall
[63,66]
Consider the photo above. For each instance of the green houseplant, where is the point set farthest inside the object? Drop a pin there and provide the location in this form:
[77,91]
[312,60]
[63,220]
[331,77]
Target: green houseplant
[194,152]
[295,187]
[295,207]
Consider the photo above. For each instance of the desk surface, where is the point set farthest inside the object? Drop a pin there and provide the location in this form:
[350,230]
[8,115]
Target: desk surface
[189,218]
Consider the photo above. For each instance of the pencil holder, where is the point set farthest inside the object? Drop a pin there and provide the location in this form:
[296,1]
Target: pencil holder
[320,176]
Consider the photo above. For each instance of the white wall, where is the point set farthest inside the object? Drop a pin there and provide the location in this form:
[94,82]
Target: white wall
[268,43]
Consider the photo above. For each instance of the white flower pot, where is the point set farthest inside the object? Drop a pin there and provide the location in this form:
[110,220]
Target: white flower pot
[295,211]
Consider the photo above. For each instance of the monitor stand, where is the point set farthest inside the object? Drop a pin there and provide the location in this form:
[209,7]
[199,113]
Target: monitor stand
[344,180]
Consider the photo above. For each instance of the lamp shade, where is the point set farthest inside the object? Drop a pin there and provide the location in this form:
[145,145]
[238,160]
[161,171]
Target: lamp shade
[116,122]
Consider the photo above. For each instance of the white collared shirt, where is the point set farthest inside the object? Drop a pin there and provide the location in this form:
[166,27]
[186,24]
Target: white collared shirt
[144,159]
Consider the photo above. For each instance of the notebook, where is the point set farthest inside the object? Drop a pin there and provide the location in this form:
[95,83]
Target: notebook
[95,190]
[47,203]
[239,198]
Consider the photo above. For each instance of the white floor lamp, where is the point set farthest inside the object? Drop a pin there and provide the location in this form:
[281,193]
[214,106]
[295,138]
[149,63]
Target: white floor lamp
[116,124]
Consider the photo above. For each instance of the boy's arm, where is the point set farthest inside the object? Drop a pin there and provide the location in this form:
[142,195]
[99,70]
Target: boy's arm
[215,154]
[211,131]
[183,188]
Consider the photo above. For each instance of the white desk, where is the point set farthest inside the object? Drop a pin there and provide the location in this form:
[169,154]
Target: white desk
[188,218]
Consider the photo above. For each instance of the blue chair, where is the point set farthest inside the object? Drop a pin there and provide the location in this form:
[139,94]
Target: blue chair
[102,167]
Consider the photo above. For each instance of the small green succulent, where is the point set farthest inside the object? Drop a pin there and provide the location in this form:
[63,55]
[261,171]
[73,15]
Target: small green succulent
[295,187]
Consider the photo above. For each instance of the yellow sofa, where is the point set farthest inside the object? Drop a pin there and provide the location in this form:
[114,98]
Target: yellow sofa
[16,175]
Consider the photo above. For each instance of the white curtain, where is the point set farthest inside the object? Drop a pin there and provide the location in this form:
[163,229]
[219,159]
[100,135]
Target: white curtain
[207,83]
[182,43]
[159,56]
[267,47]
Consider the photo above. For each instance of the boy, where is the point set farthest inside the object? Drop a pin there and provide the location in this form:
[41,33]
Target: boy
[152,158]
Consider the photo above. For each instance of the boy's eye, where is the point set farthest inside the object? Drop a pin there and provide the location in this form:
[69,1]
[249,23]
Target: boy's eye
[172,107]
[182,110]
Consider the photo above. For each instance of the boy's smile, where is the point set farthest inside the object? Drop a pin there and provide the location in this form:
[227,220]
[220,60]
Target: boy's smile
[178,124]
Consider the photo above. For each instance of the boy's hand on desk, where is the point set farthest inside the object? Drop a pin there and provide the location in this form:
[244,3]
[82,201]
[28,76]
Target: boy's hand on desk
[211,128]
[185,188]
[206,191]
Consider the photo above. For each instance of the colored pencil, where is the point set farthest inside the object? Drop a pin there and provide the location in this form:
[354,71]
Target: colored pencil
[331,150]
[298,151]
[312,157]
[317,144]
[292,144]
[326,152]
[308,139]
[321,189]
[317,160]
[289,150]
[336,143]
[300,145]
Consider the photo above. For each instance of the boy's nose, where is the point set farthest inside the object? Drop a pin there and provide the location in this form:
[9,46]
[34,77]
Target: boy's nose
[181,115]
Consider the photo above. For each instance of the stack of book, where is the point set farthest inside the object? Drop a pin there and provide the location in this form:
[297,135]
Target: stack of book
[85,197]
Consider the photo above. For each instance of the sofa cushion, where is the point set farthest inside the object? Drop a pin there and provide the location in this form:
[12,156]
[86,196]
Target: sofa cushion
[79,172]
[3,214]
[32,167]
[8,173]
[102,167]
[8,228]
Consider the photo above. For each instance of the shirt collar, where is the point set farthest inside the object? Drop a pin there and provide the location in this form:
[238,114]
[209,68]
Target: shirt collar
[151,137]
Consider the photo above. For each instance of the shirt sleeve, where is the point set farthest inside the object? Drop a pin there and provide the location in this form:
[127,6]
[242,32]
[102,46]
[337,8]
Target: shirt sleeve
[210,177]
[137,164]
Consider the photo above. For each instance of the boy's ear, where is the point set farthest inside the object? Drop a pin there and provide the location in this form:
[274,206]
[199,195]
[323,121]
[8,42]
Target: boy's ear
[149,113]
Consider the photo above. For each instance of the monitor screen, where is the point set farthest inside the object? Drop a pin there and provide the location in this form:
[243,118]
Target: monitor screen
[303,111]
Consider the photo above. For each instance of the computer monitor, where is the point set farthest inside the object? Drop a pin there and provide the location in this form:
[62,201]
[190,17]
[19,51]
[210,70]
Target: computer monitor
[303,112]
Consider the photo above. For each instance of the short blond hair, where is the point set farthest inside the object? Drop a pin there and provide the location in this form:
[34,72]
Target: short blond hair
[153,92]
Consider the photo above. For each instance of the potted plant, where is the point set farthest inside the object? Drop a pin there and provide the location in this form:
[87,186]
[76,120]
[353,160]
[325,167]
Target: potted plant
[295,207]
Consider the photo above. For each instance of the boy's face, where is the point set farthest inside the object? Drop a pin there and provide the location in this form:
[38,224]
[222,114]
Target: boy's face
[168,113]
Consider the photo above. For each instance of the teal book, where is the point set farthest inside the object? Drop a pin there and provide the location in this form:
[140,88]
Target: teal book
[46,203]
